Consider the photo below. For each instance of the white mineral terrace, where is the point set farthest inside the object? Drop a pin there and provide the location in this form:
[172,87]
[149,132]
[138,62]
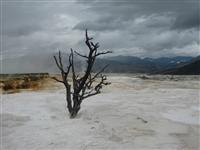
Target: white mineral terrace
[131,113]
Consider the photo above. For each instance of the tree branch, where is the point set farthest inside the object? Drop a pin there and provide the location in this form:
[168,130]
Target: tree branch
[102,70]
[81,55]
[103,53]
[55,58]
[97,89]
[57,80]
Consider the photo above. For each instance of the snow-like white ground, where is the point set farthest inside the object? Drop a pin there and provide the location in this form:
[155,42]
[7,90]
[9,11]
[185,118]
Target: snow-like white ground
[130,114]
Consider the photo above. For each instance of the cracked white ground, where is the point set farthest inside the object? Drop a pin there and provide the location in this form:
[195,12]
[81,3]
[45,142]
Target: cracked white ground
[131,113]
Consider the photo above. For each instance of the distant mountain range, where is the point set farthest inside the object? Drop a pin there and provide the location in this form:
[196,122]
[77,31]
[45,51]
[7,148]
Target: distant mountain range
[190,68]
[130,64]
[44,62]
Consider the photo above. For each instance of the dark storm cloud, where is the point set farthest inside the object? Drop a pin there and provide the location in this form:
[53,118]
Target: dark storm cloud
[102,24]
[185,12]
[127,27]
[187,20]
[153,27]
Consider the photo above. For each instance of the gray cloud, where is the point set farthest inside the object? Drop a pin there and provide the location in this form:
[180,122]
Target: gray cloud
[150,28]
[187,20]
[130,27]
[101,24]
[186,13]
[22,30]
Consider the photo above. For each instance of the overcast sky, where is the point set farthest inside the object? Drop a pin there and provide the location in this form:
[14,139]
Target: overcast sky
[144,28]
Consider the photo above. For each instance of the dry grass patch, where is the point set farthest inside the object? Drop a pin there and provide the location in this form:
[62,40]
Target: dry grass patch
[15,84]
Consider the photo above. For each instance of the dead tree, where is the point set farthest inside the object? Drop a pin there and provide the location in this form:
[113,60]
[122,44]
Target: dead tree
[81,86]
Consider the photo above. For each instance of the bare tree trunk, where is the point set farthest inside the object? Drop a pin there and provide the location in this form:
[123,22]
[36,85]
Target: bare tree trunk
[76,106]
[68,98]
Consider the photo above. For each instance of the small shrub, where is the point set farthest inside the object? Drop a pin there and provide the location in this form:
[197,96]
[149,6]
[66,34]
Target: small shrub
[25,85]
[9,85]
[34,78]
